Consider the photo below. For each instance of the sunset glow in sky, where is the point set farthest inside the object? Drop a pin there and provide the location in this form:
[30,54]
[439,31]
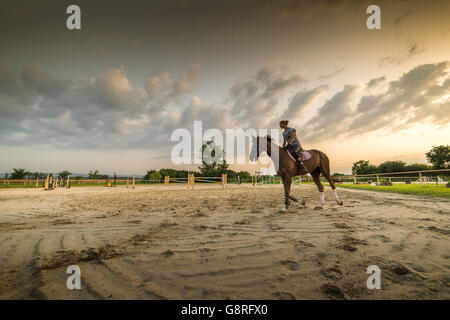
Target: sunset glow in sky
[109,96]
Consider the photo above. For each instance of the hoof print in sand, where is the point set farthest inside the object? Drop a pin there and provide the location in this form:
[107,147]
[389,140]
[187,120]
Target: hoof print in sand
[348,247]
[332,273]
[399,270]
[341,226]
[290,264]
[332,291]
[285,296]
[167,254]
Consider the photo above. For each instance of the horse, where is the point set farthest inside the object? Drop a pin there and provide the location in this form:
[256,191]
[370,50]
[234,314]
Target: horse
[316,163]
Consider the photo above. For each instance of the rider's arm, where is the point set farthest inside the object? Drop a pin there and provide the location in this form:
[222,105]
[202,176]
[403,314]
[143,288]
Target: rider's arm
[284,143]
[292,136]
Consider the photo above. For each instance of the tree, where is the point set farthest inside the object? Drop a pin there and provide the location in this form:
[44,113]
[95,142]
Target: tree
[19,173]
[152,175]
[64,174]
[37,175]
[244,175]
[94,174]
[363,167]
[213,160]
[439,157]
[392,166]
[417,167]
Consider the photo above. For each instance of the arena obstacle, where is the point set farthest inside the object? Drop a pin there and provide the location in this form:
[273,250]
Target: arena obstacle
[191,179]
[50,182]
[224,180]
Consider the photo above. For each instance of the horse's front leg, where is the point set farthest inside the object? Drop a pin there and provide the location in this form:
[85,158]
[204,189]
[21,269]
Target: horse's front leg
[287,181]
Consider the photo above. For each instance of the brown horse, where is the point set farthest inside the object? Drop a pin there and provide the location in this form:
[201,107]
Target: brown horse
[316,163]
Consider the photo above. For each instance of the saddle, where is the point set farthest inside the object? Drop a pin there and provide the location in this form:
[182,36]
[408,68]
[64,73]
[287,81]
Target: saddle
[305,155]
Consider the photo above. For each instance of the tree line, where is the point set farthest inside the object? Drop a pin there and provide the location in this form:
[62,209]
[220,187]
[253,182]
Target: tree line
[438,158]
[208,168]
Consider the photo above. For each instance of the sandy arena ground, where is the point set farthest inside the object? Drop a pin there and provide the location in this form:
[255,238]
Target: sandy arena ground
[209,243]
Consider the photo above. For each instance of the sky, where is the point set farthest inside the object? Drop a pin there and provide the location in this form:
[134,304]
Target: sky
[110,95]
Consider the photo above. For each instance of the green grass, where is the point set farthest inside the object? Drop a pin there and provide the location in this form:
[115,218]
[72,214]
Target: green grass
[417,189]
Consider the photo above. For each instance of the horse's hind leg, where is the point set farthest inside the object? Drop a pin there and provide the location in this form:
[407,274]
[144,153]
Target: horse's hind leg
[315,174]
[331,181]
[325,168]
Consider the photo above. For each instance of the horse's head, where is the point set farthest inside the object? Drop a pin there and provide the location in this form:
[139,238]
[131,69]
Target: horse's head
[259,144]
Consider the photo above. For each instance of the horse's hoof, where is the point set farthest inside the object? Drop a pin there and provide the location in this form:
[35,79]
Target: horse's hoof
[318,208]
[340,203]
[304,202]
[283,209]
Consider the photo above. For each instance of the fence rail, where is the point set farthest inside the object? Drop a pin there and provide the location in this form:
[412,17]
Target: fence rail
[424,176]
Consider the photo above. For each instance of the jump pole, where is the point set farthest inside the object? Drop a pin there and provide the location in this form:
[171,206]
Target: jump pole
[47,180]
[191,180]
[224,180]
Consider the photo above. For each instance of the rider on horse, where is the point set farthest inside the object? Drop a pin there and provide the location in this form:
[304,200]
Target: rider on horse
[291,143]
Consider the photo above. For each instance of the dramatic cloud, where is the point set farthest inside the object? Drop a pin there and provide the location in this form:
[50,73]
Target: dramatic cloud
[331,74]
[107,110]
[373,83]
[418,95]
[332,117]
[302,101]
[256,102]
[102,111]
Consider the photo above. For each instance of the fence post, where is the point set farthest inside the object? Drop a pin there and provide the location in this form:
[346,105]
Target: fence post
[224,180]
[420,177]
[378,180]
[354,179]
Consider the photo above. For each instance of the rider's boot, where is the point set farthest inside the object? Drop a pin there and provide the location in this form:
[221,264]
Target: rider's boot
[301,167]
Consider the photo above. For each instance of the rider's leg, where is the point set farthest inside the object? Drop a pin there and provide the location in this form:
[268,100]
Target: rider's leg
[298,156]
[294,148]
